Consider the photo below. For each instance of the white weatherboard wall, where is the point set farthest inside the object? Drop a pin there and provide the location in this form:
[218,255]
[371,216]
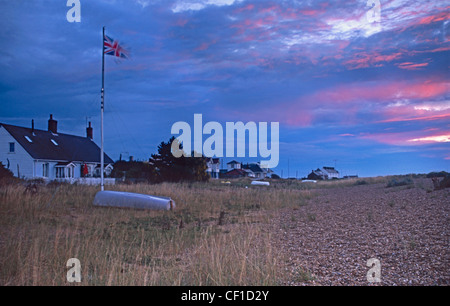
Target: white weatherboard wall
[20,162]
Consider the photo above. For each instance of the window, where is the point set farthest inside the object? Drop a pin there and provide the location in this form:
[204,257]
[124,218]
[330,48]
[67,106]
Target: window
[60,172]
[45,168]
[12,147]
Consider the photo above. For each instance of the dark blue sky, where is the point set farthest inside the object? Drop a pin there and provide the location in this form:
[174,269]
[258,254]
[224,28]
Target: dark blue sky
[371,97]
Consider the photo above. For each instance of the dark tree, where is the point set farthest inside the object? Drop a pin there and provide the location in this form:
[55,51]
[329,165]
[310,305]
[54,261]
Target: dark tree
[134,171]
[175,169]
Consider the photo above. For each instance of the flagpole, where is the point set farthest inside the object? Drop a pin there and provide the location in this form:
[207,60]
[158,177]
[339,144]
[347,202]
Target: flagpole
[102,109]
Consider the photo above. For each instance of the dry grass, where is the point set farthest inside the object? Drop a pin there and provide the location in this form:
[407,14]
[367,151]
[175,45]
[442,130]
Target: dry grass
[214,237]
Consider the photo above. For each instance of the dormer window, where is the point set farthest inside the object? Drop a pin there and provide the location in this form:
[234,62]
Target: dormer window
[54,142]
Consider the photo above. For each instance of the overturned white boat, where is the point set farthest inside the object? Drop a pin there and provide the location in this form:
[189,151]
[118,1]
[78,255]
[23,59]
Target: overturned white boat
[132,200]
[260,183]
[309,181]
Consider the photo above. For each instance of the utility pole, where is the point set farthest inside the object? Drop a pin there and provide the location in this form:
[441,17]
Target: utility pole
[288,168]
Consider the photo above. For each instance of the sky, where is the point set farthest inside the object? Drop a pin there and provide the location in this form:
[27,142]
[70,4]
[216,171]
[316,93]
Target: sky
[360,85]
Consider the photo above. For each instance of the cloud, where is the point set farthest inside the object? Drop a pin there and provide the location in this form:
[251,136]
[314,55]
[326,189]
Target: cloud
[316,66]
[369,59]
[412,66]
[428,139]
[143,3]
[197,5]
[408,138]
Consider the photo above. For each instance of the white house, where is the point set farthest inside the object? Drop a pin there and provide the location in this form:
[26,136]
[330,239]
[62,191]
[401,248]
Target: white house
[326,173]
[31,153]
[233,165]
[331,172]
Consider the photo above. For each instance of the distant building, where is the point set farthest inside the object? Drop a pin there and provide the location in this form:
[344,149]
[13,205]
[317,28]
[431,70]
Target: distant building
[255,170]
[326,173]
[331,172]
[233,165]
[236,169]
[317,175]
[235,173]
[31,153]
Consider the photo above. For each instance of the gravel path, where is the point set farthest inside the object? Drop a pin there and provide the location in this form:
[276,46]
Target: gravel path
[329,240]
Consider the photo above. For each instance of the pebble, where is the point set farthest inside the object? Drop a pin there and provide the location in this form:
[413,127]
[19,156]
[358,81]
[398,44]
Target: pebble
[356,223]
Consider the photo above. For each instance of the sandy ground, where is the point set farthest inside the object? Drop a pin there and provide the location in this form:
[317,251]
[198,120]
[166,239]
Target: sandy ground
[330,240]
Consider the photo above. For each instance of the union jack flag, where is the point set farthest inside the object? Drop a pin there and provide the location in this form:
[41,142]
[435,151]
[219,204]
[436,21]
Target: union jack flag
[112,47]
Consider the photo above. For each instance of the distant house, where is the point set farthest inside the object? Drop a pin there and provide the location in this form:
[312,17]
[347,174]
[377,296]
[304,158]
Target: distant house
[331,172]
[249,173]
[235,173]
[31,153]
[255,170]
[326,173]
[236,169]
[213,167]
[233,165]
[267,171]
[317,175]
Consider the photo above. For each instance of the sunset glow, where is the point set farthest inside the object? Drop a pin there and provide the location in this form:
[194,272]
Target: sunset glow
[344,82]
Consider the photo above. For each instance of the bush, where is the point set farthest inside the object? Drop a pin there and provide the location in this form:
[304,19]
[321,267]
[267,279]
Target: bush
[361,182]
[438,174]
[6,176]
[445,183]
[399,182]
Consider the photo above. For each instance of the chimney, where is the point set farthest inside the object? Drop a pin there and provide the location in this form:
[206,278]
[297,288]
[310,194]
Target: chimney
[89,132]
[52,125]
[32,127]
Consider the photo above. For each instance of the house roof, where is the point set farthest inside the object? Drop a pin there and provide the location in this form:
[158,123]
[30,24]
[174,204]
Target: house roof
[64,164]
[318,174]
[236,172]
[330,170]
[233,162]
[253,167]
[60,147]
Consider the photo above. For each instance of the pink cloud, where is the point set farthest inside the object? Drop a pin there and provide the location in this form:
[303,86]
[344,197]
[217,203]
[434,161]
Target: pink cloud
[411,66]
[431,139]
[423,118]
[442,16]
[202,46]
[410,138]
[366,59]
[385,91]
[248,7]
[310,12]
[181,22]
[380,100]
